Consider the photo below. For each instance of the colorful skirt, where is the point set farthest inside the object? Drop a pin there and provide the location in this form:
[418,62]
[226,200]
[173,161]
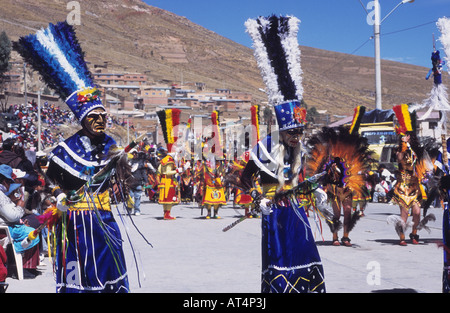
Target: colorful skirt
[167,191]
[89,254]
[214,195]
[290,259]
[241,198]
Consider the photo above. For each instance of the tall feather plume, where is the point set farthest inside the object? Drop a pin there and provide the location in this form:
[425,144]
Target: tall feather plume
[169,120]
[217,147]
[438,98]
[278,56]
[444,27]
[357,118]
[254,110]
[55,53]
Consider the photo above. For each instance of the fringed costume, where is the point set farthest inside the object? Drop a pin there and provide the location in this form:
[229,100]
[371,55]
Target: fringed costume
[414,168]
[290,259]
[242,196]
[89,255]
[199,182]
[186,182]
[213,170]
[168,185]
[344,154]
[214,192]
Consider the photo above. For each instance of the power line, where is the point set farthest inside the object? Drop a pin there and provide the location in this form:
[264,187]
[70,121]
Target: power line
[349,54]
[406,29]
[371,37]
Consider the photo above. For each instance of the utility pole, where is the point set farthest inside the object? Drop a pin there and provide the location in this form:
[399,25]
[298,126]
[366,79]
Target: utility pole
[376,37]
[25,83]
[376,34]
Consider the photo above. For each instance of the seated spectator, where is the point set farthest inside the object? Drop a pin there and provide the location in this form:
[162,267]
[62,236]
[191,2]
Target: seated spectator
[381,190]
[11,213]
[3,269]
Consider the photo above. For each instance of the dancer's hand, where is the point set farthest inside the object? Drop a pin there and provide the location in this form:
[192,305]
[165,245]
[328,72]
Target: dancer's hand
[265,206]
[61,202]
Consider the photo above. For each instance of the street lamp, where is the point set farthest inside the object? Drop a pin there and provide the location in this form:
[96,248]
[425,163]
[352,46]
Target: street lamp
[376,35]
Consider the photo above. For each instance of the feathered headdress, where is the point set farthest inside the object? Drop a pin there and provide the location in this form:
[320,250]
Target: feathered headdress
[438,97]
[444,26]
[169,119]
[406,120]
[217,147]
[254,112]
[357,118]
[55,53]
[278,56]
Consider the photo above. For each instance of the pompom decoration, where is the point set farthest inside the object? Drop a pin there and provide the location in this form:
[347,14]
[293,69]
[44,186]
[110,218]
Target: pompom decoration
[407,121]
[357,117]
[169,119]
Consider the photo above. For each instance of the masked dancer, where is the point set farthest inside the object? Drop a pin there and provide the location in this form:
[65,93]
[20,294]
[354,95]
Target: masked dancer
[290,259]
[89,255]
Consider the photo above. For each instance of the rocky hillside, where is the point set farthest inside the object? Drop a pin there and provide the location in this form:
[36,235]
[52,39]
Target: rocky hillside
[133,36]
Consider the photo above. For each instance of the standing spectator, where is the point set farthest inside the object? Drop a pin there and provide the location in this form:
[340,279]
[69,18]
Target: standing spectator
[139,178]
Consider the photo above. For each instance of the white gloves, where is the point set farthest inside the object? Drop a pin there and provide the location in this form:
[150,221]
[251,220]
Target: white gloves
[321,198]
[25,243]
[60,202]
[265,206]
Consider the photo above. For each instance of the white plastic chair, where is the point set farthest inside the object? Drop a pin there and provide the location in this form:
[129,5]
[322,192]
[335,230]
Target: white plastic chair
[17,256]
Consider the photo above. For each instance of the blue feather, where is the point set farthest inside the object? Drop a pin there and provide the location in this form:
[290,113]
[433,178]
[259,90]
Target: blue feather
[47,64]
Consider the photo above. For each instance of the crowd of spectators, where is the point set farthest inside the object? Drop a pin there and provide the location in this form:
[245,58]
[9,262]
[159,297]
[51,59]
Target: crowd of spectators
[25,133]
[18,146]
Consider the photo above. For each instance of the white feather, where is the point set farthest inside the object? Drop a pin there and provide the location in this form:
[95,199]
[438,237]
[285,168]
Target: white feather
[46,39]
[444,27]
[268,74]
[290,45]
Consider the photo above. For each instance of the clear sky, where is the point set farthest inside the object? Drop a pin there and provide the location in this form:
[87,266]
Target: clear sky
[336,25]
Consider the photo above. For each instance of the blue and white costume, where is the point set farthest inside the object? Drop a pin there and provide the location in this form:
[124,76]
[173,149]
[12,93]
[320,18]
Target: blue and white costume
[290,259]
[89,247]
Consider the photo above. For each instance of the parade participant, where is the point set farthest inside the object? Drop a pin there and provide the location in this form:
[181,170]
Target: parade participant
[344,154]
[199,182]
[241,197]
[167,170]
[186,182]
[414,166]
[168,195]
[89,250]
[213,171]
[138,179]
[290,259]
[214,193]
